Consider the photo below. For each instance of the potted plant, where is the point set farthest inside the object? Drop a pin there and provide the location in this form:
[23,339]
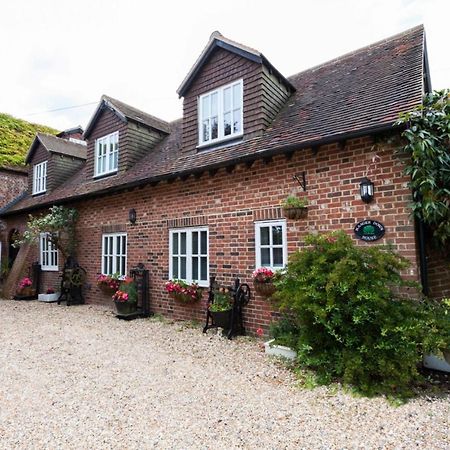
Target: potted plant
[263,279]
[25,287]
[183,292]
[125,298]
[221,307]
[108,284]
[49,296]
[294,207]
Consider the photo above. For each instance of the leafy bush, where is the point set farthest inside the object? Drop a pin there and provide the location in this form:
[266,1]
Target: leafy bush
[351,323]
[285,331]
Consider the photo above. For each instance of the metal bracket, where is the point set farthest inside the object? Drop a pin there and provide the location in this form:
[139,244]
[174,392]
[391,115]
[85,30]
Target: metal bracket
[300,178]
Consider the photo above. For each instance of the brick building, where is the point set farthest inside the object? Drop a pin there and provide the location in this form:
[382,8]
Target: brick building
[206,189]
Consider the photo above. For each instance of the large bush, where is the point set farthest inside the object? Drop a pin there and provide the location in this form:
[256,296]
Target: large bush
[352,323]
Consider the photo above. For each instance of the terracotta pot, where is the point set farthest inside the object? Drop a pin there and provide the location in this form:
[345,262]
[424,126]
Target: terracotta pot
[27,291]
[296,213]
[266,289]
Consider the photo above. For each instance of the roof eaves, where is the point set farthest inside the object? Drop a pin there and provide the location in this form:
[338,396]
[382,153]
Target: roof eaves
[33,145]
[104,103]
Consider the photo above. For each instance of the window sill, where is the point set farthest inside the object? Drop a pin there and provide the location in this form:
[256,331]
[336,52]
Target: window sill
[223,142]
[105,175]
[35,194]
[49,269]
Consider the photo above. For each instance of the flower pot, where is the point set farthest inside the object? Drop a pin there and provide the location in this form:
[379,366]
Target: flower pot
[221,319]
[436,363]
[265,289]
[295,213]
[49,297]
[27,292]
[279,350]
[124,308]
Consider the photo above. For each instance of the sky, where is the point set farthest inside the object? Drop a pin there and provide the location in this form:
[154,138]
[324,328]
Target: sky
[58,54]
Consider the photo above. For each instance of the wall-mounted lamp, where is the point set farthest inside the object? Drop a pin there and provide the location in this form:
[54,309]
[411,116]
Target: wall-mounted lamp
[132,216]
[366,190]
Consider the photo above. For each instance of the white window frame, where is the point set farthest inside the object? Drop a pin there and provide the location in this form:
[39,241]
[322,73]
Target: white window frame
[48,254]
[271,223]
[107,162]
[40,178]
[220,115]
[114,254]
[189,255]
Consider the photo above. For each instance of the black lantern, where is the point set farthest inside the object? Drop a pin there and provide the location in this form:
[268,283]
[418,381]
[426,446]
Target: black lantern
[132,215]
[366,190]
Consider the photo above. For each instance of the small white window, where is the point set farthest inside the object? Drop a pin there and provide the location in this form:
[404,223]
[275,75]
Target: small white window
[189,260]
[48,253]
[270,244]
[40,178]
[114,254]
[220,114]
[107,154]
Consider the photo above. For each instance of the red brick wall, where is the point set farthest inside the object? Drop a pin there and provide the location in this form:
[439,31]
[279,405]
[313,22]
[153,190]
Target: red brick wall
[438,273]
[12,184]
[230,203]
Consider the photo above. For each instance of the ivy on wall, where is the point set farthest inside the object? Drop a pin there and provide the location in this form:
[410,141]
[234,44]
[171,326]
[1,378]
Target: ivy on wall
[427,137]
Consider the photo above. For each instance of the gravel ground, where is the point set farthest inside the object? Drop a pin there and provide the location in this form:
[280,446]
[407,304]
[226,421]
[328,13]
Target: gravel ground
[79,378]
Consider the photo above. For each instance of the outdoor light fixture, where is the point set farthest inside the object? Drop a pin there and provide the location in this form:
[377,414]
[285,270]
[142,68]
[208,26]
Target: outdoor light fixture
[132,215]
[366,190]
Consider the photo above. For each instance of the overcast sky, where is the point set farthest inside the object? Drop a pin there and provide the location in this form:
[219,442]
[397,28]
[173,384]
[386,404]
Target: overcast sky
[59,53]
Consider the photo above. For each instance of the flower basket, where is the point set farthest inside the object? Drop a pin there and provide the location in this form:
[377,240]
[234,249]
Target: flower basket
[27,291]
[266,289]
[107,289]
[185,298]
[124,308]
[295,213]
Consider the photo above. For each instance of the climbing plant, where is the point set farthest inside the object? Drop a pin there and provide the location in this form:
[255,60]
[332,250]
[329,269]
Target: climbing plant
[427,137]
[59,224]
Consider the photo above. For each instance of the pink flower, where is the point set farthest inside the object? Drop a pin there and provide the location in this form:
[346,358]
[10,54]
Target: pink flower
[260,332]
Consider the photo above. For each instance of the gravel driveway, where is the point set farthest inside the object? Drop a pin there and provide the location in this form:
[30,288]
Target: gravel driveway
[79,378]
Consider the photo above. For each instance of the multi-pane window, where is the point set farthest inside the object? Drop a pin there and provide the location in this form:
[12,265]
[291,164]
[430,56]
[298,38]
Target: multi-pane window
[107,154]
[189,255]
[220,113]
[270,244]
[48,253]
[114,254]
[40,178]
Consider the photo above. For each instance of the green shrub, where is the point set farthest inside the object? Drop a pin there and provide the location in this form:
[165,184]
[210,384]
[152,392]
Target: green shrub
[285,331]
[352,326]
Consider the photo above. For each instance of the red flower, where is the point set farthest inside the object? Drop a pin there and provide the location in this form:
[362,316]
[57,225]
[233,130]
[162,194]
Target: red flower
[260,332]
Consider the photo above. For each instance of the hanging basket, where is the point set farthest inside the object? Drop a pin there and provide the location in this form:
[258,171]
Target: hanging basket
[265,289]
[186,299]
[107,290]
[296,212]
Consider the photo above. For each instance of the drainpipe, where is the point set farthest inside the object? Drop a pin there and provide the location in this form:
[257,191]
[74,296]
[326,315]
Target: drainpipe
[422,257]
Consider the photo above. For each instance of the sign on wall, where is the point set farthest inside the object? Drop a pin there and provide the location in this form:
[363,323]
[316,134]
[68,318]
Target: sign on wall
[369,230]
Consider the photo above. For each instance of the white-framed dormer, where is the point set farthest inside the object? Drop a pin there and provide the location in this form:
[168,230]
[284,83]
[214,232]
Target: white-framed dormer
[106,154]
[220,114]
[40,178]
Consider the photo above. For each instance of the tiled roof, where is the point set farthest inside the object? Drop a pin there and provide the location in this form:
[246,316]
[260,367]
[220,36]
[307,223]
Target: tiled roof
[57,145]
[352,95]
[127,112]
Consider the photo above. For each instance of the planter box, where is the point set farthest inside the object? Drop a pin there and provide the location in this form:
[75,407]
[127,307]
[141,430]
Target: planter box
[279,350]
[436,363]
[49,297]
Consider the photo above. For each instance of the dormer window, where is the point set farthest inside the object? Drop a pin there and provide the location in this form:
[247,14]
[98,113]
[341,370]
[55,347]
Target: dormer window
[40,178]
[107,154]
[220,114]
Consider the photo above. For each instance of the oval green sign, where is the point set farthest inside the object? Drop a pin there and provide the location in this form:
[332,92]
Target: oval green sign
[369,230]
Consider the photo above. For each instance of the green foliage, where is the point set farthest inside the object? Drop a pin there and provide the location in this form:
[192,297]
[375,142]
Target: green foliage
[129,286]
[428,145]
[437,326]
[351,324]
[285,331]
[16,136]
[294,202]
[222,301]
[59,223]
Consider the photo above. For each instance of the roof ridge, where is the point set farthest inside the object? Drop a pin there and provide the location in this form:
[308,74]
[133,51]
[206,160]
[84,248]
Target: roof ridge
[359,50]
[112,100]
[67,141]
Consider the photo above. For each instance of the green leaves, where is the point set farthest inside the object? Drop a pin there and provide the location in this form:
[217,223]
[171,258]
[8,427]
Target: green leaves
[428,144]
